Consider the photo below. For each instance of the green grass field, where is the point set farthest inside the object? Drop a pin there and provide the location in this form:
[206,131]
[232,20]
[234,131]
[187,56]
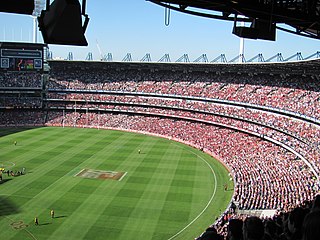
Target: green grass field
[169,191]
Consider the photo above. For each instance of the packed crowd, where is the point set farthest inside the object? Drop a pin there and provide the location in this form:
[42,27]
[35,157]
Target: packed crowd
[278,127]
[20,80]
[299,128]
[295,94]
[300,223]
[20,102]
[20,117]
[20,90]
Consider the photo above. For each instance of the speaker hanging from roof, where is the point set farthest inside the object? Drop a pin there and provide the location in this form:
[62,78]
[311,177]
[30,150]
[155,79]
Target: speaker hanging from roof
[61,23]
[17,6]
[259,29]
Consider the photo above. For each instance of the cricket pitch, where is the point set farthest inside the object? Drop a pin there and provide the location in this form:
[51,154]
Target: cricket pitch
[101,174]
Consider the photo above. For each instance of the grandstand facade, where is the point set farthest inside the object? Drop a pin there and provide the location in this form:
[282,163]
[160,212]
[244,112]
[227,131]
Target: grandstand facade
[262,121]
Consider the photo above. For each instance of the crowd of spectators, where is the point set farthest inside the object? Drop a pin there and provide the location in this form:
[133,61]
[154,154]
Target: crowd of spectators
[299,223]
[20,80]
[20,117]
[299,128]
[20,90]
[278,127]
[295,94]
[20,102]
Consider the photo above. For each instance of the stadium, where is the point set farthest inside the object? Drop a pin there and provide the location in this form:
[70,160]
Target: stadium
[265,133]
[157,150]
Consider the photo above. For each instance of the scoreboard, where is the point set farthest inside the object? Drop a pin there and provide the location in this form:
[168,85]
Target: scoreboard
[21,56]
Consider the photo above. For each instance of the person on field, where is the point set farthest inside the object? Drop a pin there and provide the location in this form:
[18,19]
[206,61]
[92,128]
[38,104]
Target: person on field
[52,213]
[36,221]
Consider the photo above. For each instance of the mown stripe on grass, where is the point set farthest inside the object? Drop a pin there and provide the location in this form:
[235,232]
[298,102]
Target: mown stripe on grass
[96,201]
[38,200]
[209,201]
[78,194]
[117,208]
[144,219]
[82,204]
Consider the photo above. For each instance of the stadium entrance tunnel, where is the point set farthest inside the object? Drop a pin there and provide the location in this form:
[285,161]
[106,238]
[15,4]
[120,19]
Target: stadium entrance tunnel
[7,207]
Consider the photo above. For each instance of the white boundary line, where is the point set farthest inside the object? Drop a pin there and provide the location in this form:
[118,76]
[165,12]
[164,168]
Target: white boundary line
[122,176]
[206,207]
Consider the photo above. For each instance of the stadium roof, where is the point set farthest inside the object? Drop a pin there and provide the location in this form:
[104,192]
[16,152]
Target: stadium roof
[302,16]
[300,68]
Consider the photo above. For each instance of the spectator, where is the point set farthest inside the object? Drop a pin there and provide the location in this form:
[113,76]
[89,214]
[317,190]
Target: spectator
[235,229]
[316,204]
[253,229]
[210,234]
[271,230]
[311,226]
[294,223]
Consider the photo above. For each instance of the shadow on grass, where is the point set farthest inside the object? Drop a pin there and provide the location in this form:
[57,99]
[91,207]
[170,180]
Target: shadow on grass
[7,207]
[5,180]
[44,224]
[61,216]
[4,131]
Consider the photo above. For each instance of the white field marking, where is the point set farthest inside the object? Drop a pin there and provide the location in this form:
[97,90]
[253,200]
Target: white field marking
[122,176]
[31,235]
[213,194]
[76,175]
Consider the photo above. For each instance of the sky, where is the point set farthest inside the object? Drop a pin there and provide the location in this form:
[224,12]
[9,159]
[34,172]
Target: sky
[138,27]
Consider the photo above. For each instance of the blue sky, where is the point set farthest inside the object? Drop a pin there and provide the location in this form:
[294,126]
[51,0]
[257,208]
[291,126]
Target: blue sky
[137,27]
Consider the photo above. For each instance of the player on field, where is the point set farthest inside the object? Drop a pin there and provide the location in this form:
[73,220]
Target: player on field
[36,221]
[52,213]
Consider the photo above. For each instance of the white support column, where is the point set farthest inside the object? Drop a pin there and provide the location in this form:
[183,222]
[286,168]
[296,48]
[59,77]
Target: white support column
[63,118]
[35,29]
[241,48]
